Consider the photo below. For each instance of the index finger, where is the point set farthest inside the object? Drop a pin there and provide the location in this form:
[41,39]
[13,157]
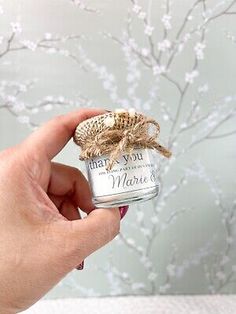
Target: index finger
[50,138]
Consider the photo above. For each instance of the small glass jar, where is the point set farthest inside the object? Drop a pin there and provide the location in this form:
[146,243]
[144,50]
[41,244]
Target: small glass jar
[133,177]
[118,148]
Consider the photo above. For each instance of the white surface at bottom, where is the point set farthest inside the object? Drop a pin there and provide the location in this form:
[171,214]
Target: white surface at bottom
[216,304]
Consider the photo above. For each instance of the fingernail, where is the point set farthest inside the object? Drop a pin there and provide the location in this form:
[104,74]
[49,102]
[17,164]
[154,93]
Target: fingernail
[123,210]
[81,266]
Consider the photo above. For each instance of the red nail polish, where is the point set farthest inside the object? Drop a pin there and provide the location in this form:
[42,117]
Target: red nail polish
[81,266]
[123,210]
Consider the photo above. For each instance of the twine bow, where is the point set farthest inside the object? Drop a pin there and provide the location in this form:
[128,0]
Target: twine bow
[115,141]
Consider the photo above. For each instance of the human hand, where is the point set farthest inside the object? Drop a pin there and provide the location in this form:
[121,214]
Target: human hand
[42,236]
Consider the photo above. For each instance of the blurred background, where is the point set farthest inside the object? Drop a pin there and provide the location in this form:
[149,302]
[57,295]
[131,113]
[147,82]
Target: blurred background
[172,60]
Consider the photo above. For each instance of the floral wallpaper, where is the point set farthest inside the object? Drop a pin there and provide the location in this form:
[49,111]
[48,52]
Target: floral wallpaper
[172,60]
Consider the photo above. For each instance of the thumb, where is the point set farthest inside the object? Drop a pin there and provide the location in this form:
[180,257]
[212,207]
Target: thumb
[87,235]
[50,138]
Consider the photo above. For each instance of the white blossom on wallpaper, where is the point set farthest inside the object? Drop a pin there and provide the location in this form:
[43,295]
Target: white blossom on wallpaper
[150,48]
[11,91]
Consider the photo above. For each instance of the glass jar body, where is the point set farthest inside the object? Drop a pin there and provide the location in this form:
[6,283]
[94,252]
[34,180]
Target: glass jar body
[134,177]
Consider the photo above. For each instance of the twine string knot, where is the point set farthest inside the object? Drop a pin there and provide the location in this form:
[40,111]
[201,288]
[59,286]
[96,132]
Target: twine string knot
[115,141]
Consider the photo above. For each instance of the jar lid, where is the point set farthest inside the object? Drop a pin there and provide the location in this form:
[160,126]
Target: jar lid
[89,128]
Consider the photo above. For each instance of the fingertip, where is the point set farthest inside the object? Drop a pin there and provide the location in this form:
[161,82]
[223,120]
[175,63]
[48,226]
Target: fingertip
[108,218]
[112,222]
[94,231]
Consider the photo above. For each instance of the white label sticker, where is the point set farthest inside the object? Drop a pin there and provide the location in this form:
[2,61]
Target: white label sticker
[131,172]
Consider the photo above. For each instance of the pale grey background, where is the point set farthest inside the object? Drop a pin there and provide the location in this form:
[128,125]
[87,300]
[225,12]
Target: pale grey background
[58,55]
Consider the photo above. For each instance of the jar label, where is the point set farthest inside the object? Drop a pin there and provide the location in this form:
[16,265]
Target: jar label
[131,172]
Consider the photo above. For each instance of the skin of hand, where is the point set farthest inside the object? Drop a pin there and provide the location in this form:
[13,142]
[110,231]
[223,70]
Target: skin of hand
[42,235]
